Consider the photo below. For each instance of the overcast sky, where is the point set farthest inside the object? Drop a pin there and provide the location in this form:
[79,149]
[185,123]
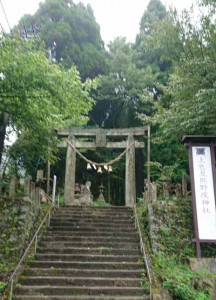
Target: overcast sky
[115,17]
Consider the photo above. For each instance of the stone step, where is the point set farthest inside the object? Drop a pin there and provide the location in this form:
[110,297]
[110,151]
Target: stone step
[88,238]
[93,213]
[61,297]
[95,208]
[81,233]
[79,281]
[77,290]
[86,254]
[107,226]
[103,218]
[83,223]
[108,217]
[89,218]
[93,251]
[90,258]
[112,245]
[86,229]
[87,265]
[82,272]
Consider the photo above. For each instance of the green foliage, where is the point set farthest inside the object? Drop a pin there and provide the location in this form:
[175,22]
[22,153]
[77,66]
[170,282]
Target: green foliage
[154,13]
[185,91]
[2,286]
[173,238]
[190,91]
[178,278]
[71,33]
[151,56]
[39,96]
[163,173]
[15,233]
[119,93]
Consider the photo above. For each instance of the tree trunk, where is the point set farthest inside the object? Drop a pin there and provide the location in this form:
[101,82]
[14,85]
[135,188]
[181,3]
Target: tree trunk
[4,119]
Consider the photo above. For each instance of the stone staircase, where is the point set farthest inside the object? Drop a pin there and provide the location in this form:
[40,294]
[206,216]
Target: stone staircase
[87,253]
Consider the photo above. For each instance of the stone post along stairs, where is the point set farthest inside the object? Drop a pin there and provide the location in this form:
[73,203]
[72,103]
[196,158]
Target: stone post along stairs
[87,253]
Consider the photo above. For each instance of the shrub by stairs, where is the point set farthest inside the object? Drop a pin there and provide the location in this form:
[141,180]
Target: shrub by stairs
[87,253]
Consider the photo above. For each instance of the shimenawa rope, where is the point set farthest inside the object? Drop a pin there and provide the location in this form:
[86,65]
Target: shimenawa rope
[111,162]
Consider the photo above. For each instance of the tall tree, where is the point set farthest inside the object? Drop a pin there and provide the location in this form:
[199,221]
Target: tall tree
[191,89]
[37,96]
[154,14]
[119,92]
[148,54]
[71,34]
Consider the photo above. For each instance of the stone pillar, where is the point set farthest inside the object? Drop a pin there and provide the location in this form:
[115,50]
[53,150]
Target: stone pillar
[130,180]
[184,186]
[48,178]
[1,179]
[32,191]
[153,192]
[165,191]
[37,195]
[70,172]
[27,186]
[12,187]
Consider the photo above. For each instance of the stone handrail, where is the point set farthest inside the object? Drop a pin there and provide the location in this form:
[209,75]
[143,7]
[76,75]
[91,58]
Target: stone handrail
[143,250]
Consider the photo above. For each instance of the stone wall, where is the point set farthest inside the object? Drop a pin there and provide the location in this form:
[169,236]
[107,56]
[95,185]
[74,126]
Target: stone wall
[170,219]
[17,219]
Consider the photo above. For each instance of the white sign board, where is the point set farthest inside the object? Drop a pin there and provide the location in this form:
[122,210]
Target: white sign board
[204,192]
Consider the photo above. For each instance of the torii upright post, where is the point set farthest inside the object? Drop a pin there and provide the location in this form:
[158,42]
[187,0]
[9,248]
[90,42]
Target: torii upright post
[70,172]
[130,180]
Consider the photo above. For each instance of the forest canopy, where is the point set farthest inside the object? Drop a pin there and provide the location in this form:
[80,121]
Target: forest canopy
[165,79]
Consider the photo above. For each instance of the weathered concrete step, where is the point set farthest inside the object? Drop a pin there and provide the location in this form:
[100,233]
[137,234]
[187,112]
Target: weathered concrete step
[79,291]
[92,216]
[90,258]
[112,245]
[29,297]
[89,218]
[95,208]
[100,250]
[79,281]
[82,272]
[94,213]
[92,223]
[58,237]
[93,233]
[102,229]
[99,226]
[87,265]
[116,209]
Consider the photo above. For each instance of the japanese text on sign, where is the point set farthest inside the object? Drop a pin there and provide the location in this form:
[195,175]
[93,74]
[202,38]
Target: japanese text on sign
[204,193]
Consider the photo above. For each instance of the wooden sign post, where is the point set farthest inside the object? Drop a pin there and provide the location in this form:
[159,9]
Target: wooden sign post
[203,187]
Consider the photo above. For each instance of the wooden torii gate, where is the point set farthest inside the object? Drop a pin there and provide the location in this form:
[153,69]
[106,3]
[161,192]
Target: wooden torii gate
[106,138]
